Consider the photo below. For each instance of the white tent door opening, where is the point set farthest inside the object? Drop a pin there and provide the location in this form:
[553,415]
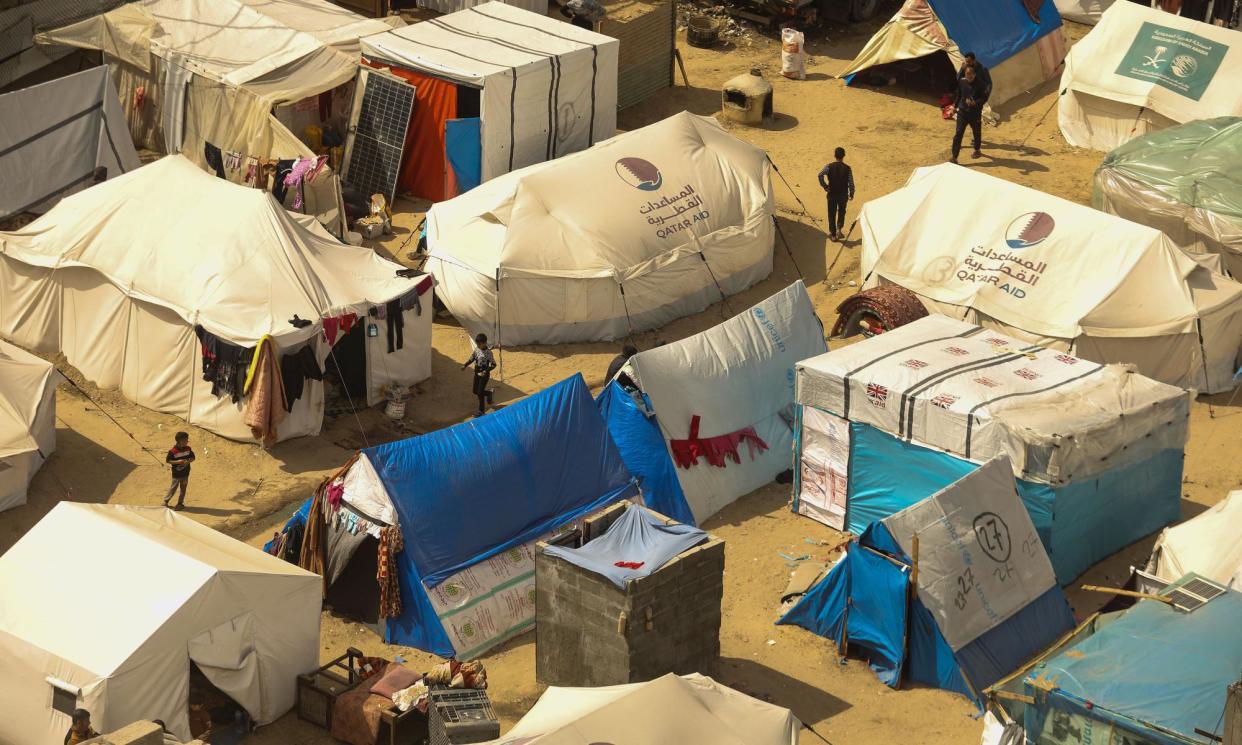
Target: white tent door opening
[226,655]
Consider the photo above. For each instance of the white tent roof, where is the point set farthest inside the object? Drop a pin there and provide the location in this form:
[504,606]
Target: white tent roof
[218,254]
[116,600]
[1144,60]
[1031,260]
[23,380]
[735,375]
[527,224]
[1056,417]
[1208,544]
[688,710]
[1083,11]
[52,137]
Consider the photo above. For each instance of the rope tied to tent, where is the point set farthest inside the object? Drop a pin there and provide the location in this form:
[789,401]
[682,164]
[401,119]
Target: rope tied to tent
[626,306]
[797,198]
[723,298]
[788,248]
[111,418]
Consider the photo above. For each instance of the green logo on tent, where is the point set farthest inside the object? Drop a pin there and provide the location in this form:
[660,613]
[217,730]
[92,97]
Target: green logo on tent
[1180,61]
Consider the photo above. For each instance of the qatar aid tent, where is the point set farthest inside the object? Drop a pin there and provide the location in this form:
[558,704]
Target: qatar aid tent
[27,420]
[1096,449]
[523,88]
[474,499]
[1185,181]
[119,277]
[985,598]
[1209,545]
[1151,674]
[1019,41]
[664,220]
[1141,69]
[722,401]
[688,709]
[105,607]
[1052,272]
[54,136]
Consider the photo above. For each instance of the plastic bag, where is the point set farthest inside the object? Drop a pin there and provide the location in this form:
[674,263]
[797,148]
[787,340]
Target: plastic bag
[793,55]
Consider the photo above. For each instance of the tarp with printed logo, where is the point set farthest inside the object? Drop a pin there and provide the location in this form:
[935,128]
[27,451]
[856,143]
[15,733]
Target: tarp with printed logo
[1141,69]
[1055,273]
[657,224]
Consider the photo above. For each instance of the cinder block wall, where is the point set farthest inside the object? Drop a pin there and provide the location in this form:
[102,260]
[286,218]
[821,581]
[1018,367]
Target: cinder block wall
[592,633]
[138,733]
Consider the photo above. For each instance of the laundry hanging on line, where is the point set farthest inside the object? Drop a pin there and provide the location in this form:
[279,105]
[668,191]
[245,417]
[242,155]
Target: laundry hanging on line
[224,364]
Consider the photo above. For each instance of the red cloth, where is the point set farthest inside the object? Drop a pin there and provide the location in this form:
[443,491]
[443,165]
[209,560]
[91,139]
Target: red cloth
[334,325]
[686,453]
[630,564]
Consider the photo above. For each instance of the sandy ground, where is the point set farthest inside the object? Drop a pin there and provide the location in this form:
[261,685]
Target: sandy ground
[248,493]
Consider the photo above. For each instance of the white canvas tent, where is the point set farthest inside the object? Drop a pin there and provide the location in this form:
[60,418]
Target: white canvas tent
[545,88]
[53,136]
[664,219]
[737,375]
[1141,69]
[104,607]
[1209,544]
[27,420]
[118,276]
[1055,273]
[1083,11]
[688,710]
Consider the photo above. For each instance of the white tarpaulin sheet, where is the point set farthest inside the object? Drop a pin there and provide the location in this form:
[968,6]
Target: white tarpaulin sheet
[687,710]
[53,136]
[977,394]
[823,476]
[980,559]
[1142,69]
[548,87]
[27,420]
[1209,544]
[1054,272]
[671,210]
[1083,11]
[735,375]
[163,590]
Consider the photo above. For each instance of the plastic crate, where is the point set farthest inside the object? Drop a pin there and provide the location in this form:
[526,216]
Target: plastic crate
[456,716]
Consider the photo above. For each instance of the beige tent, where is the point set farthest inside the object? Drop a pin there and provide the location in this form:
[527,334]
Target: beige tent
[104,607]
[117,277]
[242,75]
[1058,274]
[1142,69]
[27,420]
[687,710]
[664,220]
[1209,544]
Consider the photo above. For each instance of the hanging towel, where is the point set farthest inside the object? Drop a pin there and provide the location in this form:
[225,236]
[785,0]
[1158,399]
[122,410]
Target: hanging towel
[265,404]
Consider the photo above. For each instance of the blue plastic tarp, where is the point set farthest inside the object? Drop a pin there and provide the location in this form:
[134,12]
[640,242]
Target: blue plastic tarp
[464,152]
[298,518]
[1154,667]
[637,436]
[995,30]
[637,537]
[476,489]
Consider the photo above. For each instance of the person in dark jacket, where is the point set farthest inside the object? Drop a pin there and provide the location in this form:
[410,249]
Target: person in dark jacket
[837,181]
[969,106]
[617,363]
[981,72]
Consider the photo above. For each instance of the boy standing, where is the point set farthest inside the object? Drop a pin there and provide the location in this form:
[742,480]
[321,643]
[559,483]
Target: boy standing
[179,457]
[484,363]
[837,179]
[81,730]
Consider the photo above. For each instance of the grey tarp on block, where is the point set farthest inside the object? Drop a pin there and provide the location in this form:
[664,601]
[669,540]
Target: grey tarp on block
[637,536]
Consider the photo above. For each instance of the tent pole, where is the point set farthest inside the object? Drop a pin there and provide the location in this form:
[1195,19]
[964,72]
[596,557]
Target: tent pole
[499,347]
[723,299]
[629,323]
[911,593]
[1203,359]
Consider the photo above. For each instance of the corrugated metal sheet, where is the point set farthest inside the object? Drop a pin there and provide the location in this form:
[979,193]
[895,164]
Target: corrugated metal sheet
[645,59]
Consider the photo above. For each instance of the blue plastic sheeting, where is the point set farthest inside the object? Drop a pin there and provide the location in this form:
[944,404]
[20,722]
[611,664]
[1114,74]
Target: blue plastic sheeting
[299,518]
[464,152]
[930,658]
[638,438]
[1002,649]
[995,30]
[636,537]
[1093,518]
[876,617]
[1154,667]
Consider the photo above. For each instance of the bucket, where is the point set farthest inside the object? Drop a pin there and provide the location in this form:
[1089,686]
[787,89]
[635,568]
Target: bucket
[702,32]
[395,410]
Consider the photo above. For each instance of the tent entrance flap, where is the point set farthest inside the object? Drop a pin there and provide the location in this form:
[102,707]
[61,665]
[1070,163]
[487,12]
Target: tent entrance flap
[932,74]
[463,155]
[226,656]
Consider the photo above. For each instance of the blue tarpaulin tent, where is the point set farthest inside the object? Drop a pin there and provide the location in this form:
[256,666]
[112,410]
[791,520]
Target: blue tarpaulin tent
[986,599]
[1154,674]
[636,432]
[489,485]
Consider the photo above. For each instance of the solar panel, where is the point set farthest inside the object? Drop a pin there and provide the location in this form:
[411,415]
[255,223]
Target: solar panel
[1194,593]
[376,140]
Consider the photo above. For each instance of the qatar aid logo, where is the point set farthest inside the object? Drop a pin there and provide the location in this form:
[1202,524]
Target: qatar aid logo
[1030,229]
[640,174]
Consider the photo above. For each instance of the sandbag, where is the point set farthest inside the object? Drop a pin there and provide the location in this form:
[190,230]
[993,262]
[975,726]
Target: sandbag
[793,54]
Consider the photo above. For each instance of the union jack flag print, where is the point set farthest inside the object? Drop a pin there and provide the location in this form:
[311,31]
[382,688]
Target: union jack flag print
[1026,373]
[1066,359]
[944,400]
[877,394]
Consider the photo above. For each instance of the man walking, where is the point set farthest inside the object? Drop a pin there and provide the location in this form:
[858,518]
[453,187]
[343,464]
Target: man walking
[179,457]
[483,361]
[969,106]
[981,72]
[837,180]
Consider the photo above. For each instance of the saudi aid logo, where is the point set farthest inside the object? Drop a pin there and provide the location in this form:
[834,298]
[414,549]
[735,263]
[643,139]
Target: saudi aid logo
[640,174]
[1029,229]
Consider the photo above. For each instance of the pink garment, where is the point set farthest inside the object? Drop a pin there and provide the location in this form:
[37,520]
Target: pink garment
[334,492]
[313,173]
[686,453]
[295,177]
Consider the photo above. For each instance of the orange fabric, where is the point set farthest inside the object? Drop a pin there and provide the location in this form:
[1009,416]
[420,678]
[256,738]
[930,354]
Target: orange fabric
[423,164]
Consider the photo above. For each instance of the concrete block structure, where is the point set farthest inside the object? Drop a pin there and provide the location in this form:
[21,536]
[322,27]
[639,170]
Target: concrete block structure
[593,633]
